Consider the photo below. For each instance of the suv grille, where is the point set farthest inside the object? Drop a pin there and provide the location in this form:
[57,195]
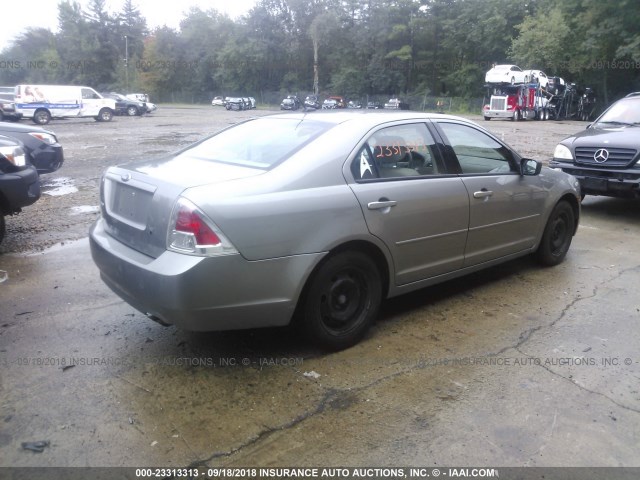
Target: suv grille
[617,157]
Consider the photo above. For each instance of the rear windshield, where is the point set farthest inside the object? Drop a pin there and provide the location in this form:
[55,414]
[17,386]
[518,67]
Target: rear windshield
[260,143]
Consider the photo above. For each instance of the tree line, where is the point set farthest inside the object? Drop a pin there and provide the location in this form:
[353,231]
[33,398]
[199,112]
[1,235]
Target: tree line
[347,47]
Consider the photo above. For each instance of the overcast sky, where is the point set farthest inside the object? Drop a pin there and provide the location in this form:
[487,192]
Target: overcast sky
[17,16]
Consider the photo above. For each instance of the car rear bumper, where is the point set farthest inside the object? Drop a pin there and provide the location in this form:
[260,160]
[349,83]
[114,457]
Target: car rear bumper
[202,293]
[19,189]
[613,183]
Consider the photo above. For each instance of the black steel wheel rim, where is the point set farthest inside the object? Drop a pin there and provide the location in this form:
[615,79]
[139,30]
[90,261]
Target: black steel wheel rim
[344,299]
[559,231]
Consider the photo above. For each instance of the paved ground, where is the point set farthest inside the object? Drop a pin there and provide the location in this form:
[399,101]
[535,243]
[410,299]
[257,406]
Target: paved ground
[515,366]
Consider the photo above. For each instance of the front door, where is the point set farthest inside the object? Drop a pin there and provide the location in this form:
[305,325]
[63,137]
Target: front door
[505,207]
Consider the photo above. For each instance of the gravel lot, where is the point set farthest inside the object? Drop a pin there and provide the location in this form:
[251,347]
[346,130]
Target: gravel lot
[69,202]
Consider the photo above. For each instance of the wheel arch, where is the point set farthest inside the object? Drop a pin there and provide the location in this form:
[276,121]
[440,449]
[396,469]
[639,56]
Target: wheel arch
[37,111]
[575,206]
[368,248]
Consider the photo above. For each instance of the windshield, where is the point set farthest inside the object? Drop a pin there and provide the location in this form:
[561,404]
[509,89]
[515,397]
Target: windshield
[260,143]
[623,112]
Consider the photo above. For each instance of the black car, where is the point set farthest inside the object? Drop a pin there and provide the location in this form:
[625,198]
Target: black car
[41,146]
[605,158]
[374,105]
[19,181]
[290,103]
[8,109]
[127,106]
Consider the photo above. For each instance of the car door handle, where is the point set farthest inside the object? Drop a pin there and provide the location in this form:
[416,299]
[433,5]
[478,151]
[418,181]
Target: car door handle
[482,193]
[381,204]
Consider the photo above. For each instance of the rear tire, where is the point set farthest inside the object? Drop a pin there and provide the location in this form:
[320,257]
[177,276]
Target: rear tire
[557,235]
[342,300]
[2,226]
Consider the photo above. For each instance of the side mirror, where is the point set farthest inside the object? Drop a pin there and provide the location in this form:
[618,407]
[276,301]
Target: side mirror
[530,167]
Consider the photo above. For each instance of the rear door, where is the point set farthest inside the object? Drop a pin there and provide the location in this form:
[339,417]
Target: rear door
[417,208]
[505,207]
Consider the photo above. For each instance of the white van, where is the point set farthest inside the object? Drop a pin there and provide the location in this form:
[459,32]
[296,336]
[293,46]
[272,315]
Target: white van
[41,103]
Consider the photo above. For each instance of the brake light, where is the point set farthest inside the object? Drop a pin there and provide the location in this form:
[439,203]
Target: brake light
[191,232]
[189,222]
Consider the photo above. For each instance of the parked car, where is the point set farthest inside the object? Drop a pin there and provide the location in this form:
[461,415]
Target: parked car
[290,103]
[329,104]
[340,101]
[506,74]
[605,157]
[41,103]
[144,98]
[234,103]
[218,102]
[396,104]
[315,219]
[19,181]
[354,104]
[311,102]
[126,106]
[556,85]
[537,76]
[374,105]
[8,110]
[41,146]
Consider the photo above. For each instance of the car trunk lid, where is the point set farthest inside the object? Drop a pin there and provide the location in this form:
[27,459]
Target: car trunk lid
[137,200]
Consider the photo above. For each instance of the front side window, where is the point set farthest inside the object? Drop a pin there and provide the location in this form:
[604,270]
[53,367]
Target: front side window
[396,152]
[88,94]
[476,151]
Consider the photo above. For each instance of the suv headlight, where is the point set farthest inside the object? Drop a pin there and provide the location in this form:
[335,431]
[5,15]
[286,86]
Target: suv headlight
[15,155]
[562,152]
[47,138]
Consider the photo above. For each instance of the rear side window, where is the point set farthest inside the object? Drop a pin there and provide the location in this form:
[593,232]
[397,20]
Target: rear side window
[260,143]
[396,152]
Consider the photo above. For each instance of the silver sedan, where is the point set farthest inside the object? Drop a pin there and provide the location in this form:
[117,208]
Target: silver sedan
[316,218]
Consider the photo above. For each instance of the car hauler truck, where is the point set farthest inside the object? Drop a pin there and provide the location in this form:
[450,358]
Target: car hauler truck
[517,102]
[41,103]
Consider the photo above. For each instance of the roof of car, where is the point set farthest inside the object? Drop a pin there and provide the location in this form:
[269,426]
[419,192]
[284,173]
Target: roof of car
[371,117]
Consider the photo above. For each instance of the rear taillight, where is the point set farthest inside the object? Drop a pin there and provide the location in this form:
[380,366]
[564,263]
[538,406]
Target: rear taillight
[191,232]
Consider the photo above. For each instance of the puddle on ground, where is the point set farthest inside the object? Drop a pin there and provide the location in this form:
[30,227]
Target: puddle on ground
[59,186]
[82,209]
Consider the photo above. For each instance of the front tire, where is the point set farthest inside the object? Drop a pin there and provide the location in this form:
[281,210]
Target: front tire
[2,226]
[132,111]
[342,300]
[557,235]
[105,115]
